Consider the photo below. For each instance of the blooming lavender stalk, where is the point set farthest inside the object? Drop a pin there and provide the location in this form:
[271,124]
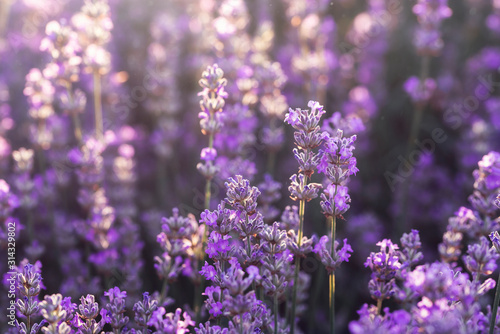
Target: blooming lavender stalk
[29,286]
[144,310]
[57,312]
[94,24]
[61,42]
[116,309]
[337,163]
[307,137]
[85,320]
[384,266]
[211,121]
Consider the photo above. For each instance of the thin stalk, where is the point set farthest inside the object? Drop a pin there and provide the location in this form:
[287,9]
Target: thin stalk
[379,305]
[318,285]
[332,301]
[297,266]
[415,127]
[276,312]
[333,224]
[78,127]
[74,116]
[494,309]
[163,291]
[99,127]
[201,286]
[28,323]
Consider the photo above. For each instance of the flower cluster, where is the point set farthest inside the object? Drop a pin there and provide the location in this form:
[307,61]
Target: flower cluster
[430,14]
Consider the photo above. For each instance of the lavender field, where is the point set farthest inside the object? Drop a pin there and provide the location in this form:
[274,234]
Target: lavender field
[249,166]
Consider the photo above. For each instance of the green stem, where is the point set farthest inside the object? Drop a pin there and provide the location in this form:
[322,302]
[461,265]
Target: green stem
[297,265]
[201,286]
[333,224]
[379,305]
[78,128]
[332,302]
[495,307]
[99,127]
[275,312]
[163,292]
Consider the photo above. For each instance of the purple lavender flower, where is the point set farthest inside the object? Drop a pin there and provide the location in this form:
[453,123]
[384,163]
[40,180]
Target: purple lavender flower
[307,136]
[213,94]
[410,254]
[486,185]
[170,323]
[301,190]
[116,308]
[384,265]
[29,286]
[323,250]
[372,322]
[420,93]
[57,312]
[241,196]
[88,311]
[430,13]
[435,281]
[337,160]
[481,258]
[335,201]
[144,309]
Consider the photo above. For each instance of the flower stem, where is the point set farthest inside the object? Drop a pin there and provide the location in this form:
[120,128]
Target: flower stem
[99,127]
[379,306]
[201,286]
[495,307]
[302,206]
[74,116]
[275,312]
[333,224]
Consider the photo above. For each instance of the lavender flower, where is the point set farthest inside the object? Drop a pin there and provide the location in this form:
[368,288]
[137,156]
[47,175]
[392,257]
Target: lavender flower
[88,311]
[430,13]
[410,254]
[116,308]
[213,94]
[481,258]
[420,93]
[170,323]
[307,136]
[300,190]
[384,266]
[241,196]
[28,285]
[144,309]
[57,311]
[323,250]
